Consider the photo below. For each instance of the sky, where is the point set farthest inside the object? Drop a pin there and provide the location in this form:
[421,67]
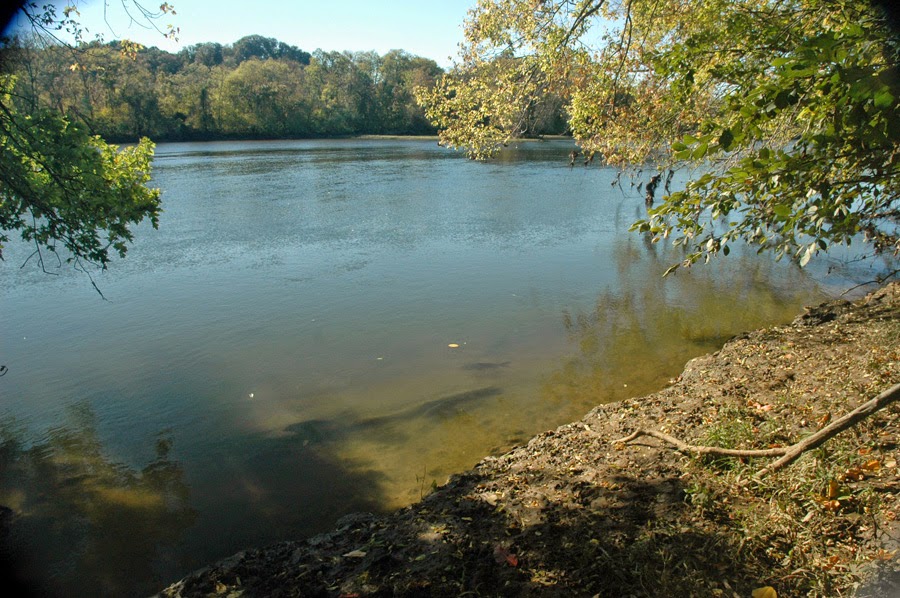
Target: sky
[429,28]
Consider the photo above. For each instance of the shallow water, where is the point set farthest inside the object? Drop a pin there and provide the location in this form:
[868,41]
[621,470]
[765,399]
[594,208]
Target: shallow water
[279,352]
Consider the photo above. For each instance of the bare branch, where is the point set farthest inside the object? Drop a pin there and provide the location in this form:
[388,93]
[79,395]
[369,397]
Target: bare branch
[788,454]
[698,450]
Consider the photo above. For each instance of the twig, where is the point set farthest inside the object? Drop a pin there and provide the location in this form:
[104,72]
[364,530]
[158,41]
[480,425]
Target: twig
[79,266]
[788,454]
[879,280]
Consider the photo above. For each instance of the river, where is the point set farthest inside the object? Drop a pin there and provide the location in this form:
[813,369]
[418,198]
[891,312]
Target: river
[320,327]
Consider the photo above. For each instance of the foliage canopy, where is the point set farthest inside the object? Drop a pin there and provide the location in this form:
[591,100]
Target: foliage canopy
[60,185]
[786,109]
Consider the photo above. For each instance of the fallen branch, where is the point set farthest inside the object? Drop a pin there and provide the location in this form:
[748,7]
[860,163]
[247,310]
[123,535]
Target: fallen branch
[788,454]
[703,450]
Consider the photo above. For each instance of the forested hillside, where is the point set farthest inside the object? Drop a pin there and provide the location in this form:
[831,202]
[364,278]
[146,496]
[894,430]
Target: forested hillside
[257,87]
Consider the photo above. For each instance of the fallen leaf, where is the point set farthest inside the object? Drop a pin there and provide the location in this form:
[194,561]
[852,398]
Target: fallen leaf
[453,345]
[766,592]
[865,450]
[872,465]
[355,554]
[503,555]
[853,474]
[823,420]
[833,489]
[831,562]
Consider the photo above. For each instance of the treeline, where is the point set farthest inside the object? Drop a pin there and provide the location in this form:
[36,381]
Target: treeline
[257,87]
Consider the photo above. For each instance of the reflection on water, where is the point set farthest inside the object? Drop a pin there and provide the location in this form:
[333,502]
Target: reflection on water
[72,507]
[324,327]
[637,334]
[641,332]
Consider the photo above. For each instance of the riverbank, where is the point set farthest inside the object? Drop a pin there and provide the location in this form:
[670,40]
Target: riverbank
[572,513]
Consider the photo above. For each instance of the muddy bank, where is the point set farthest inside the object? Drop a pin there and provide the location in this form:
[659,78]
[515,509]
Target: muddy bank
[570,513]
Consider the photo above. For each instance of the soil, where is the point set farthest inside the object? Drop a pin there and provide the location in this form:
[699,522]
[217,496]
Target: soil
[575,513]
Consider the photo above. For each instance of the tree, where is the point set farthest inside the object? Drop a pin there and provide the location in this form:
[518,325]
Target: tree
[261,99]
[399,73]
[788,106]
[209,54]
[185,98]
[264,48]
[341,93]
[61,186]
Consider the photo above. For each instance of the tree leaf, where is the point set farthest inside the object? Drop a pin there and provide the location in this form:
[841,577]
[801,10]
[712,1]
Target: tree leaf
[883,99]
[726,139]
[765,592]
[782,211]
[700,151]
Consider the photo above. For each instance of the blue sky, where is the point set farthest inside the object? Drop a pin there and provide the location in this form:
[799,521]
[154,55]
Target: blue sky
[430,28]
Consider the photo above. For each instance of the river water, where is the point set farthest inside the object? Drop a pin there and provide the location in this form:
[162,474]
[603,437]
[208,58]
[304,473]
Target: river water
[321,327]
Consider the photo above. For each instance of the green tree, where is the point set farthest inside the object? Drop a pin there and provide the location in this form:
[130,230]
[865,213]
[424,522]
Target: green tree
[61,187]
[340,92]
[264,48]
[208,54]
[790,106]
[186,99]
[260,98]
[399,73]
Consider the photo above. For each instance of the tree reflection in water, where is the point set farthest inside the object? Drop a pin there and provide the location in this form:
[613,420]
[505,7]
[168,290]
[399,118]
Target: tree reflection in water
[644,328]
[72,510]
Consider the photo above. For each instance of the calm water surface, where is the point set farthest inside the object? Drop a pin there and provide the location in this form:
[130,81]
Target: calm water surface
[278,353]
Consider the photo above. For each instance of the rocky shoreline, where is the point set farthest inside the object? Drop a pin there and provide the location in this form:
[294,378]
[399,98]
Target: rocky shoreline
[572,513]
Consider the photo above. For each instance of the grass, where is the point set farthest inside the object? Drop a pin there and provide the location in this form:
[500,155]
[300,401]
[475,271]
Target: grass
[811,528]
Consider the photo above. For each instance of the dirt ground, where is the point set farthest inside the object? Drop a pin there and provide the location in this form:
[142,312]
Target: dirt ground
[573,513]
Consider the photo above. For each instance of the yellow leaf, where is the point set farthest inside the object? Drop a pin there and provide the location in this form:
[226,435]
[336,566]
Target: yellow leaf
[766,592]
[453,345]
[833,489]
[853,474]
[872,465]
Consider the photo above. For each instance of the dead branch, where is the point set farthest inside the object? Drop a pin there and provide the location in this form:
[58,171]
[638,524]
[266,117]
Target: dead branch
[787,454]
[702,450]
[836,427]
